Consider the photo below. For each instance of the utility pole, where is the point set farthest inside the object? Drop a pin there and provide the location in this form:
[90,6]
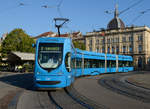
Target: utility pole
[58,26]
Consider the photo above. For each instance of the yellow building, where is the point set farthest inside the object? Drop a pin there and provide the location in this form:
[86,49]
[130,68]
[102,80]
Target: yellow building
[118,39]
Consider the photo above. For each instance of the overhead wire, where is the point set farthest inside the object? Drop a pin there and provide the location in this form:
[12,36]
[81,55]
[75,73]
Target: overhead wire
[131,6]
[57,7]
[140,15]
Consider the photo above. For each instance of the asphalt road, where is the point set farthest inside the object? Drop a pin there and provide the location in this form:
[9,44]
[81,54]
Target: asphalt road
[90,88]
[17,92]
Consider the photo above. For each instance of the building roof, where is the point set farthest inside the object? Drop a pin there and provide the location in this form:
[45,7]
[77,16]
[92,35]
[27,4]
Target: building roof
[24,56]
[116,22]
[14,56]
[51,34]
[46,34]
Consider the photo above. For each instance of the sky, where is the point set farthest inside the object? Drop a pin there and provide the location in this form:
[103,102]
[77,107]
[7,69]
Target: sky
[36,16]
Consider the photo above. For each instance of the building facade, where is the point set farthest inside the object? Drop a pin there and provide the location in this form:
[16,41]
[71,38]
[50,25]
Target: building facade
[118,39]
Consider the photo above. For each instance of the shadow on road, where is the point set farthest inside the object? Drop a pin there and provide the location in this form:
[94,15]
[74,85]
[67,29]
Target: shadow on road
[24,81]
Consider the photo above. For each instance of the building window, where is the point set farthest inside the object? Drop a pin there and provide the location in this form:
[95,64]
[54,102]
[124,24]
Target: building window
[130,38]
[117,49]
[108,50]
[112,40]
[90,48]
[124,49]
[97,42]
[117,40]
[103,49]
[131,49]
[140,38]
[113,50]
[97,49]
[103,41]
[108,41]
[140,48]
[91,42]
[124,39]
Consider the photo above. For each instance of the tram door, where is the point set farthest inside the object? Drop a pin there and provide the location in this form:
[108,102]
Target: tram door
[105,63]
[82,73]
[68,62]
[68,68]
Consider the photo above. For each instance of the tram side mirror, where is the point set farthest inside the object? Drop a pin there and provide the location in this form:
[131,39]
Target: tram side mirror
[33,45]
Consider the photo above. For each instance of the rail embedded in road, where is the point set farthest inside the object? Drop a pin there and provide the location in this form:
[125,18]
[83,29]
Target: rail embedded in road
[69,98]
[116,84]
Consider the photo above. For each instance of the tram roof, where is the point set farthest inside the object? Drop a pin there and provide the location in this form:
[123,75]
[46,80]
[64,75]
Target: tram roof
[95,55]
[53,39]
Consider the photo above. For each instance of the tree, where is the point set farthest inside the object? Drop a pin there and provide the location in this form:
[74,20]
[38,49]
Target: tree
[17,40]
[79,45]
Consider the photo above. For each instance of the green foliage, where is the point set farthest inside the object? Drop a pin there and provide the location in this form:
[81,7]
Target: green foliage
[79,45]
[17,40]
[0,53]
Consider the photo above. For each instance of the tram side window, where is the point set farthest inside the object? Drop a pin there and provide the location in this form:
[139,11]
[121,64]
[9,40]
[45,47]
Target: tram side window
[125,63]
[101,64]
[120,63]
[86,63]
[111,63]
[108,63]
[130,63]
[73,61]
[89,63]
[93,63]
[78,63]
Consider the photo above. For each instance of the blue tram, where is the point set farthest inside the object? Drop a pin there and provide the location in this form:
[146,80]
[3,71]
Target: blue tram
[57,63]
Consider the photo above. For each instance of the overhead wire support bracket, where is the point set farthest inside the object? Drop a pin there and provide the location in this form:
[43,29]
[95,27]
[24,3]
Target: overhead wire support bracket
[62,22]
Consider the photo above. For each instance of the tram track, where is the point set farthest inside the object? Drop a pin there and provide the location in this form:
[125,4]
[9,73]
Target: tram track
[117,85]
[69,98]
[54,101]
[62,101]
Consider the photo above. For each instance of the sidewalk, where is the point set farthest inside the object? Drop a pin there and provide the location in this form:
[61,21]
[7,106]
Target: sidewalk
[141,79]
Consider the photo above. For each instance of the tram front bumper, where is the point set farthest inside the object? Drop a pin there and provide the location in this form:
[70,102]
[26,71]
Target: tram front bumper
[50,81]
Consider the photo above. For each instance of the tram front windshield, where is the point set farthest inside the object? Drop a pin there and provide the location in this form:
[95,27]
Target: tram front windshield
[50,55]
